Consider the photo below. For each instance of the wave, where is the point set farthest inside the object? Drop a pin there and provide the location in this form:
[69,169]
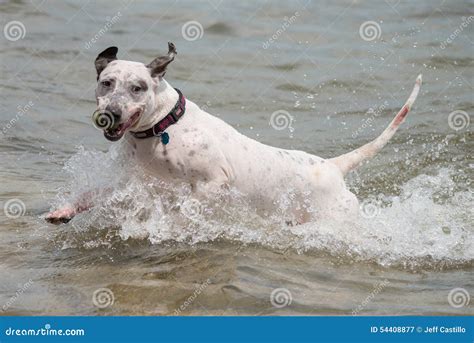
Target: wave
[427,225]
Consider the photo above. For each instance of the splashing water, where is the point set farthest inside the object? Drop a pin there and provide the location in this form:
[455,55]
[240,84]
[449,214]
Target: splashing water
[426,225]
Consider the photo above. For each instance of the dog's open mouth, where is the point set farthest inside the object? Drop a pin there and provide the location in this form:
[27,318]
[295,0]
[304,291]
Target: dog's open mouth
[114,134]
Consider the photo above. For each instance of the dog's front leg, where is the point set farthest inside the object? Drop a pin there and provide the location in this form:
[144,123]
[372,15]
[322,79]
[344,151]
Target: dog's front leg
[211,192]
[214,184]
[67,212]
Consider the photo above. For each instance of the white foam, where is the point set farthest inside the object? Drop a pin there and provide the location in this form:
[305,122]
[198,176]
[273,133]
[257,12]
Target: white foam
[428,224]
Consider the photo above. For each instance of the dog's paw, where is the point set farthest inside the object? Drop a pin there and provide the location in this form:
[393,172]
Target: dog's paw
[60,216]
[57,220]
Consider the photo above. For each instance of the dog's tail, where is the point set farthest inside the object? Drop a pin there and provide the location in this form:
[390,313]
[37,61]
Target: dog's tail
[351,160]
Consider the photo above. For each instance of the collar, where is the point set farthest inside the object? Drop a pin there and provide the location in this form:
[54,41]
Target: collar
[171,118]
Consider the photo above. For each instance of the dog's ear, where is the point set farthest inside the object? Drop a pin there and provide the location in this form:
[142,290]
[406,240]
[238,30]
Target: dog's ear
[158,65]
[104,58]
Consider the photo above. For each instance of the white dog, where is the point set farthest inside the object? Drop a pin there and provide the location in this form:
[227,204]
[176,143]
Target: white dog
[174,139]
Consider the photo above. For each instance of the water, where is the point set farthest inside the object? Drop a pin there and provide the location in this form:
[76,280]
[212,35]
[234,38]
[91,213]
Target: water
[161,253]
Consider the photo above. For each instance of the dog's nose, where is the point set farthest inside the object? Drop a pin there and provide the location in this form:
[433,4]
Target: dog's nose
[115,110]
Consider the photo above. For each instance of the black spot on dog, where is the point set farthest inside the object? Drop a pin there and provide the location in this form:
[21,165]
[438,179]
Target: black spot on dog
[192,153]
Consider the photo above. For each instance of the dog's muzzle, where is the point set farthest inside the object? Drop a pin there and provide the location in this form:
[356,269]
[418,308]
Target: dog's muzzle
[110,123]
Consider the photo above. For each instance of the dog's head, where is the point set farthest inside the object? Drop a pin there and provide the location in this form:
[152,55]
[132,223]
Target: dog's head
[126,91]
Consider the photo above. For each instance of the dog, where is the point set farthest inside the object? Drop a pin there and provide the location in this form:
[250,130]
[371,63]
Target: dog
[174,139]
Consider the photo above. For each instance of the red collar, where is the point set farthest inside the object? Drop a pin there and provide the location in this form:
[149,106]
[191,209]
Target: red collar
[171,118]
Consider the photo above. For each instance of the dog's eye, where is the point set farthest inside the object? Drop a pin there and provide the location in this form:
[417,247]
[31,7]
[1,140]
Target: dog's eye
[106,83]
[136,89]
